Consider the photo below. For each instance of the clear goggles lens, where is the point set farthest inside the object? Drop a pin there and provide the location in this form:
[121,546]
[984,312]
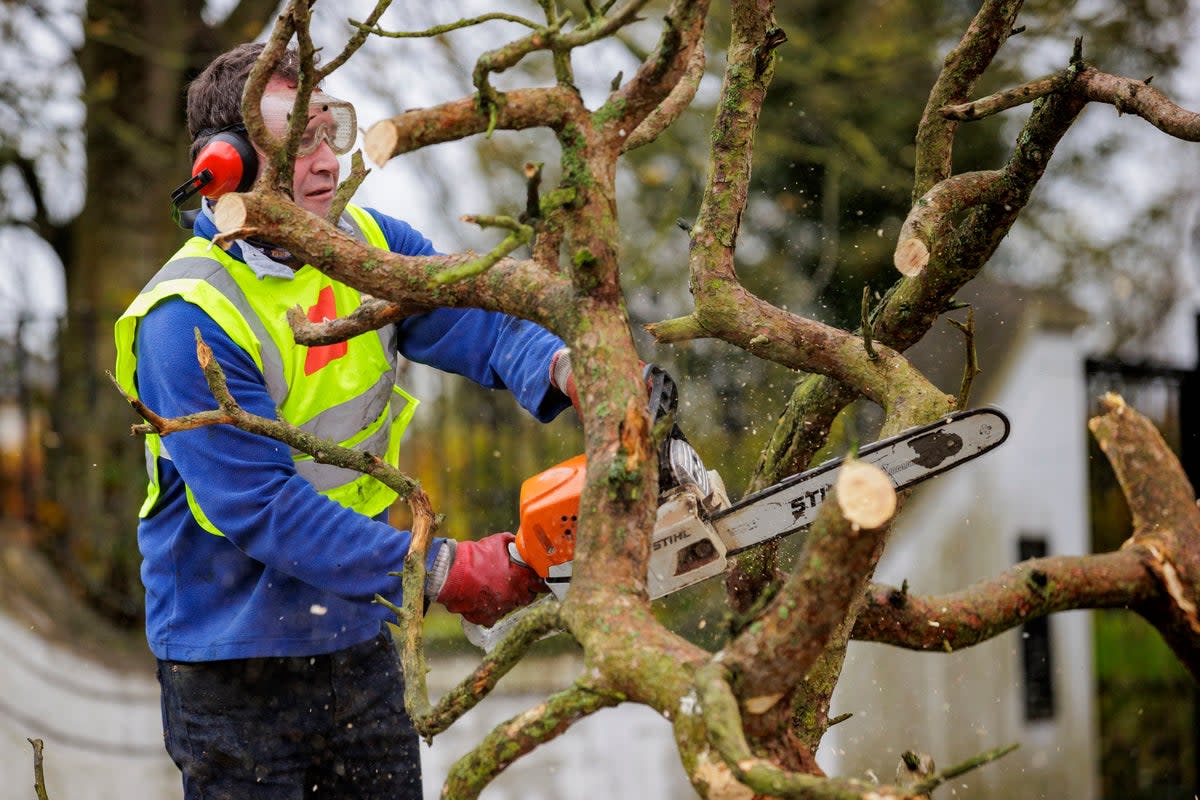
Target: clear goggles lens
[329,120]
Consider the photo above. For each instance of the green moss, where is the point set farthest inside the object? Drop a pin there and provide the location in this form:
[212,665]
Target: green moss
[575,168]
[611,110]
[623,483]
[556,199]
[583,258]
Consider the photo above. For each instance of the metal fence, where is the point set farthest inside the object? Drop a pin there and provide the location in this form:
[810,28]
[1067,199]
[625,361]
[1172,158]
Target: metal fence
[1149,707]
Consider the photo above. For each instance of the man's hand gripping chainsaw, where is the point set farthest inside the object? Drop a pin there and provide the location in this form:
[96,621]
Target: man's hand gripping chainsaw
[697,528]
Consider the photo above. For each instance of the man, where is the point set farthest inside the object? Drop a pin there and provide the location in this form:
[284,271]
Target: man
[259,564]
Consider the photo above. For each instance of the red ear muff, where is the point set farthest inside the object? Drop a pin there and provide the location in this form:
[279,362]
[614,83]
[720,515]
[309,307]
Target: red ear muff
[226,163]
[231,160]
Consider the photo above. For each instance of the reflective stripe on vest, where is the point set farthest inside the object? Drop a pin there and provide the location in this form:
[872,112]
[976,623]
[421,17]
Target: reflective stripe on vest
[347,392]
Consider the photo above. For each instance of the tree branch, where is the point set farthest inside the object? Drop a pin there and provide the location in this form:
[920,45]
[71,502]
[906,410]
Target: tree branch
[838,558]
[362,31]
[371,315]
[277,169]
[971,364]
[430,721]
[347,188]
[1138,97]
[39,769]
[230,413]
[1127,95]
[449,27]
[1010,98]
[519,234]
[1029,590]
[548,37]
[512,739]
[658,76]
[522,109]
[1166,521]
[936,211]
[411,613]
[676,103]
[520,288]
[963,66]
[738,762]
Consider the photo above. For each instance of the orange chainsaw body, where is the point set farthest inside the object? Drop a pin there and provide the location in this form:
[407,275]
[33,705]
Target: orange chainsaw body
[550,515]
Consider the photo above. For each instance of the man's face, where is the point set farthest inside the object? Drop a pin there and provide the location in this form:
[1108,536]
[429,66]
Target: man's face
[316,174]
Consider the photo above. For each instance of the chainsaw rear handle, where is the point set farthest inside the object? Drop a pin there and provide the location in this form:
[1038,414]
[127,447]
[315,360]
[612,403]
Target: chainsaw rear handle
[549,502]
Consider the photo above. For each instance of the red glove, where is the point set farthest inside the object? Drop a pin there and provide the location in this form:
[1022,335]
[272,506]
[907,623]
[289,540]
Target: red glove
[484,584]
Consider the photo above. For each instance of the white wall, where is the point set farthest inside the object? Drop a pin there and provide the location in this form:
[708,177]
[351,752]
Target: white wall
[102,729]
[622,752]
[103,734]
[959,528]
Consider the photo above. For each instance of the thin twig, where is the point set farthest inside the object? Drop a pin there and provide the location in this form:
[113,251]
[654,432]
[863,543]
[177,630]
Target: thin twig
[1009,98]
[533,180]
[938,778]
[867,328]
[411,615]
[230,413]
[347,188]
[438,30]
[521,234]
[971,367]
[356,41]
[39,773]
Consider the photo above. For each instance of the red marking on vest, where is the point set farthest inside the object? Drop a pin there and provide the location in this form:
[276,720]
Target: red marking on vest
[319,356]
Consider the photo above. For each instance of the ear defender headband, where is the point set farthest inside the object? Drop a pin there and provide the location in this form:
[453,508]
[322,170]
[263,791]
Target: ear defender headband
[226,163]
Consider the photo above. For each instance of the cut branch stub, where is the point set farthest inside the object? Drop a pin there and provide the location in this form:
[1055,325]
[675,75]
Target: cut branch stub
[230,213]
[380,140]
[865,495]
[910,257]
[1166,521]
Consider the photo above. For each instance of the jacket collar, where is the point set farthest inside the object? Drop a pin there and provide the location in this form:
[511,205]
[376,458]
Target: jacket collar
[252,255]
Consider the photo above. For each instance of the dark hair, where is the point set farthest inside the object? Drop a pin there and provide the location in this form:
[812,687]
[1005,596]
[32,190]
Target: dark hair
[214,98]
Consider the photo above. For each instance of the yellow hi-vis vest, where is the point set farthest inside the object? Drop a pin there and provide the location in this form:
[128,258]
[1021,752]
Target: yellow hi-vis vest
[344,392]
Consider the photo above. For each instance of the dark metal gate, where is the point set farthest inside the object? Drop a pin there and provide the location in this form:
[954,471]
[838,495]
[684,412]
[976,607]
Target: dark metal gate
[1149,706]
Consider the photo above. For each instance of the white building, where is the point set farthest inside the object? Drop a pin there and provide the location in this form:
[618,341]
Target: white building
[1029,497]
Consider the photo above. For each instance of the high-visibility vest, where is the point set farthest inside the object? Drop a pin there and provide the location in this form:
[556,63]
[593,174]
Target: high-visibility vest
[344,392]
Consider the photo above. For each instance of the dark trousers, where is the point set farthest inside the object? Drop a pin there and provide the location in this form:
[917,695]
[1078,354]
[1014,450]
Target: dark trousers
[308,727]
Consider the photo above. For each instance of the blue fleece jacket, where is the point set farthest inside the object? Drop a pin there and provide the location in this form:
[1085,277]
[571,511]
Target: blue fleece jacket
[296,572]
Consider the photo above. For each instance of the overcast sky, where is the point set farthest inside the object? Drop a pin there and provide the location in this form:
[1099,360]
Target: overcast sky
[381,82]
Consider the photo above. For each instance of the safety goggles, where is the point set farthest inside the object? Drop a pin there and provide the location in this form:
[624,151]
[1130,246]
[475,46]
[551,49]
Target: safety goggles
[329,120]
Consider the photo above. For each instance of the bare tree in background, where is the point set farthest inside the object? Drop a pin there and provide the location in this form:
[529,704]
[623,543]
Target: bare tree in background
[134,59]
[747,719]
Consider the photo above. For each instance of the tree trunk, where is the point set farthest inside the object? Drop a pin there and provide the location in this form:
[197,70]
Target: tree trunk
[136,59]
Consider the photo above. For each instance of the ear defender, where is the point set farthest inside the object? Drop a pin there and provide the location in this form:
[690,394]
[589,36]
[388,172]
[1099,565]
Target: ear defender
[226,163]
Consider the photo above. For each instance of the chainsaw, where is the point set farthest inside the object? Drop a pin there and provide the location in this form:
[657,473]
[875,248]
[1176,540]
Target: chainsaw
[697,528]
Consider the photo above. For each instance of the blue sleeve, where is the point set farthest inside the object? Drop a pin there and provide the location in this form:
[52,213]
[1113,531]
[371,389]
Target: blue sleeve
[495,350]
[247,484]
